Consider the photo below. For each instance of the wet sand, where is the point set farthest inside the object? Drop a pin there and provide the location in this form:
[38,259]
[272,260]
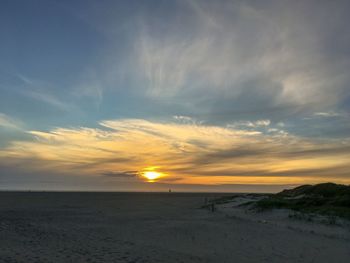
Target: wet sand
[153,227]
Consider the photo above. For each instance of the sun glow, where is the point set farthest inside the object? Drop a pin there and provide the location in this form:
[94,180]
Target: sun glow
[151,175]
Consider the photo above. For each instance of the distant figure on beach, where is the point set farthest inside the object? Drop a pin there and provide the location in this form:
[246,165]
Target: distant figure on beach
[169,190]
[212,207]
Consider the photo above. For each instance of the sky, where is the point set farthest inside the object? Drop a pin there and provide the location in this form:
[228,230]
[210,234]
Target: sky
[223,96]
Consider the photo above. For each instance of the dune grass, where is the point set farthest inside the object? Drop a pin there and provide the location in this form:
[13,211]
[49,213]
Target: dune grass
[326,199]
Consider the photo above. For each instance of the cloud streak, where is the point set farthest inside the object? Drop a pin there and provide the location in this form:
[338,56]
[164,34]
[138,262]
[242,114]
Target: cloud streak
[38,90]
[243,56]
[187,152]
[8,122]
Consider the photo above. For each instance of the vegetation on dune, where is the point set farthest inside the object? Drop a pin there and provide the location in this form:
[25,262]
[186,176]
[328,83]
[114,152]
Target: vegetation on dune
[327,199]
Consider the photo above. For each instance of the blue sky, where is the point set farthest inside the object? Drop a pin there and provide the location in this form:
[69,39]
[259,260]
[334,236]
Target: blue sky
[274,70]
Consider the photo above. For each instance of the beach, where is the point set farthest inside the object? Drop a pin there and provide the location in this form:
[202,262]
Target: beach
[156,227]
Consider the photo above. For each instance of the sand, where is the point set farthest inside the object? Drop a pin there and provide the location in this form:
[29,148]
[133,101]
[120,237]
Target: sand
[145,227]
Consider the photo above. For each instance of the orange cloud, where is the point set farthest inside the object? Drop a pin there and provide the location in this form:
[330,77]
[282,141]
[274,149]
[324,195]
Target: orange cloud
[188,153]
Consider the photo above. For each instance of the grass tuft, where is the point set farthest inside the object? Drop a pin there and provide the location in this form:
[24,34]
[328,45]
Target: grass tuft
[327,199]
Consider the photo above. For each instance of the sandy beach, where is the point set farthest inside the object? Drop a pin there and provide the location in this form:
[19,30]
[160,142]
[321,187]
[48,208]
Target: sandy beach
[156,227]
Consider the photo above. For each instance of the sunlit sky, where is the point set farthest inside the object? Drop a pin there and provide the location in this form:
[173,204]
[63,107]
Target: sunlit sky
[248,96]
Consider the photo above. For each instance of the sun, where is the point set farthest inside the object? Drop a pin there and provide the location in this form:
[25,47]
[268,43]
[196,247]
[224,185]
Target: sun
[151,175]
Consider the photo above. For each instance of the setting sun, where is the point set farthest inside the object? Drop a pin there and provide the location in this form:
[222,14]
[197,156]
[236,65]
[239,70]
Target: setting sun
[151,175]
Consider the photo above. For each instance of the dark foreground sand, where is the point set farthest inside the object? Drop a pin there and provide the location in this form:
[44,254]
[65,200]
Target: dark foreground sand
[124,227]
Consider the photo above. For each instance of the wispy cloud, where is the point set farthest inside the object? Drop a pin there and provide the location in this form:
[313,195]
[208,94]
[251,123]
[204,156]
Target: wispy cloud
[39,90]
[186,152]
[8,122]
[243,56]
[47,98]
[186,119]
[121,174]
[250,124]
[327,114]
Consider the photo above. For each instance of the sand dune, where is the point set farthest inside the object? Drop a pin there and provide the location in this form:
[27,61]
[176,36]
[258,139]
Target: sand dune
[125,227]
